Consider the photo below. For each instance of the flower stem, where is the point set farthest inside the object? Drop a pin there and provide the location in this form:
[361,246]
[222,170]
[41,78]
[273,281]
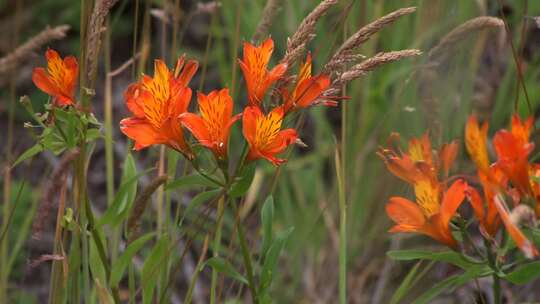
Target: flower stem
[216,248]
[342,232]
[246,255]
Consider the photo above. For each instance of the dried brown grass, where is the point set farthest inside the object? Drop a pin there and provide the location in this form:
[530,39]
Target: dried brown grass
[345,54]
[296,45]
[270,11]
[93,37]
[14,59]
[461,32]
[367,66]
[51,190]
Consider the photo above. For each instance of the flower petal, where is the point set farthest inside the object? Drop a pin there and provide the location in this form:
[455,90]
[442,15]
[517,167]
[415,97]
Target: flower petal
[406,214]
[141,131]
[453,197]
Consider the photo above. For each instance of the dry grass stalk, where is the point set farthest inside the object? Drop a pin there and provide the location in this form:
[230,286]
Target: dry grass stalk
[55,182]
[269,13]
[296,45]
[140,205]
[368,65]
[93,36]
[362,35]
[461,32]
[12,60]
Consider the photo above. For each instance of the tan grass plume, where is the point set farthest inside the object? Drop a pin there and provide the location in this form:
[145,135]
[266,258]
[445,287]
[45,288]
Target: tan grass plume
[461,32]
[93,36]
[269,13]
[345,52]
[296,45]
[367,66]
[12,60]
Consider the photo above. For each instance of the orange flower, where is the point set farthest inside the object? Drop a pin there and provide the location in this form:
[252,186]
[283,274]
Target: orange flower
[264,135]
[419,167]
[476,142]
[254,66]
[307,89]
[409,166]
[59,80]
[485,210]
[512,149]
[212,127]
[156,104]
[428,216]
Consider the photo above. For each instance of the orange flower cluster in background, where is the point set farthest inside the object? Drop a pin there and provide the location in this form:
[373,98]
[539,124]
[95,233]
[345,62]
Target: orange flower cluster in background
[510,178]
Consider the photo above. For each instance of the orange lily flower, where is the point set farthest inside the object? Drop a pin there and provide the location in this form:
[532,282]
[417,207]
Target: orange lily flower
[476,144]
[405,165]
[254,67]
[307,89]
[60,78]
[156,104]
[512,149]
[264,135]
[212,127]
[429,215]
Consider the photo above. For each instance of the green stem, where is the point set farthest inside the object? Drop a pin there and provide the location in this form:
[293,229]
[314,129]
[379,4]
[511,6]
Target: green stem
[342,233]
[497,299]
[246,256]
[497,289]
[216,248]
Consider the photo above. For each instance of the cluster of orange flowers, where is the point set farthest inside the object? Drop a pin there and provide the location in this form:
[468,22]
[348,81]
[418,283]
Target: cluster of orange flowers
[160,104]
[510,178]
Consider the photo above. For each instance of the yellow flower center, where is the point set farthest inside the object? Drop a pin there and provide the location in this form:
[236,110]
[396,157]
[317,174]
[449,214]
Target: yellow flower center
[427,196]
[267,129]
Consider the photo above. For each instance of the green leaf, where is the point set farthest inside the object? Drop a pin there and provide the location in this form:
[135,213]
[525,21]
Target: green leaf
[120,265]
[125,195]
[242,183]
[103,293]
[150,271]
[31,152]
[452,282]
[198,200]
[53,141]
[190,181]
[451,257]
[405,285]
[223,266]
[267,216]
[93,134]
[271,258]
[96,265]
[524,273]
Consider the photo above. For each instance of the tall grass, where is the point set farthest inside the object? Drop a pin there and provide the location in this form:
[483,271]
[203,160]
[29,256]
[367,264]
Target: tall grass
[339,240]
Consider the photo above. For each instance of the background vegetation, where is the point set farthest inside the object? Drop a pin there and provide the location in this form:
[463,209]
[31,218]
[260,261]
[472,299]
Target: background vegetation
[478,74]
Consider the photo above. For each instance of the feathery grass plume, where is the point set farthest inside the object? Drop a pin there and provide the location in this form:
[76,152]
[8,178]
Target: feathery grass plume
[342,55]
[55,182]
[461,32]
[268,15]
[12,60]
[368,65]
[93,36]
[296,45]
[140,205]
